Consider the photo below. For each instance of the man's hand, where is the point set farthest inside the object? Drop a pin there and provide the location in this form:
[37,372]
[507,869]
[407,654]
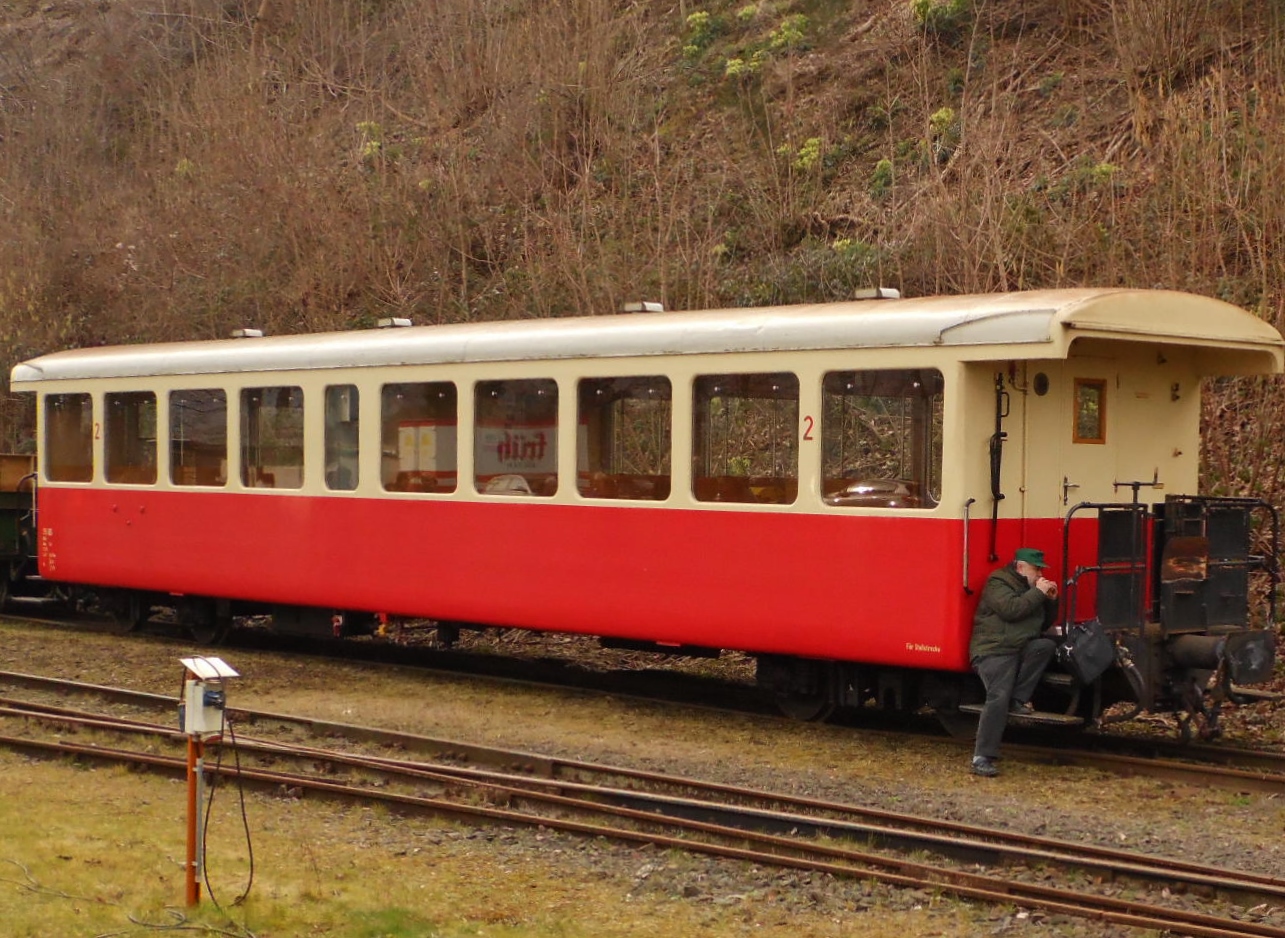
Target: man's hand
[1047,587]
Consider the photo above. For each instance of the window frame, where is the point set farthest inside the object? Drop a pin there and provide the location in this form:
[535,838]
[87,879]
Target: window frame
[89,432]
[907,492]
[594,480]
[1100,384]
[544,448]
[748,488]
[438,480]
[341,407]
[177,465]
[117,469]
[248,441]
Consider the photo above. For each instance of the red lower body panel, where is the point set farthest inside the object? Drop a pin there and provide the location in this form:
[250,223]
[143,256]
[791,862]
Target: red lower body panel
[883,590]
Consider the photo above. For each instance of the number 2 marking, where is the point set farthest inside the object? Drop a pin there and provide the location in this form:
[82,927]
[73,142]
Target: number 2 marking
[808,423]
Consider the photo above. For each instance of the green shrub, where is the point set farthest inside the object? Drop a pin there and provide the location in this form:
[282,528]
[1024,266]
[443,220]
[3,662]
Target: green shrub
[1050,83]
[702,29]
[944,18]
[943,133]
[882,179]
[791,35]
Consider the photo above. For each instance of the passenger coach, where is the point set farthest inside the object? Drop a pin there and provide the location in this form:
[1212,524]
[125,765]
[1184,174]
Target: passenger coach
[825,487]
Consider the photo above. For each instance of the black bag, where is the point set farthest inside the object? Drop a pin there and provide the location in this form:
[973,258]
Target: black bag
[1086,651]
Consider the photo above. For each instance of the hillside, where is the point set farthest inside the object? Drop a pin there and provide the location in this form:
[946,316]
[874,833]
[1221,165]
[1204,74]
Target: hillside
[179,169]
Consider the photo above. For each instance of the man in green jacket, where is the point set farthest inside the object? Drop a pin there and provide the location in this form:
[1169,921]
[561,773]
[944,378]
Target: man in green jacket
[1008,650]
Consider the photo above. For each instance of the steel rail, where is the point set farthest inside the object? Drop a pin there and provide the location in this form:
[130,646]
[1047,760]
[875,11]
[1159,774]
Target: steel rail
[771,850]
[1200,774]
[1267,775]
[964,842]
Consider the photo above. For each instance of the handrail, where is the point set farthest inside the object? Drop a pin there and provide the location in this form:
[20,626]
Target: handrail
[967,590]
[997,458]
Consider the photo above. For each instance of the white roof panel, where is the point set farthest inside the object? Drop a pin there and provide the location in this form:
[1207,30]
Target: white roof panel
[207,667]
[1037,324]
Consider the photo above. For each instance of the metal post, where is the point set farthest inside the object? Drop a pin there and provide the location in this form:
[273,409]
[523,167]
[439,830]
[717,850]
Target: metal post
[201,714]
[195,782]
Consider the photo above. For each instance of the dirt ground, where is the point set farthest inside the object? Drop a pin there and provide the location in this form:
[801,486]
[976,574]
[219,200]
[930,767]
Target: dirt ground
[924,776]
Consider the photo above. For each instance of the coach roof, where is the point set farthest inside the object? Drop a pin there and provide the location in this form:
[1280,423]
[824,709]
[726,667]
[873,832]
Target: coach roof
[1037,324]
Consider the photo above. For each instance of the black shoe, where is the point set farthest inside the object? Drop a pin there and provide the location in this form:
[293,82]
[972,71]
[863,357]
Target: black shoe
[1021,709]
[983,766]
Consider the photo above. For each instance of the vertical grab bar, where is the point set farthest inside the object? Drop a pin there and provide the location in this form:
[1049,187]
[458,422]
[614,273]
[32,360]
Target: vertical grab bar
[967,505]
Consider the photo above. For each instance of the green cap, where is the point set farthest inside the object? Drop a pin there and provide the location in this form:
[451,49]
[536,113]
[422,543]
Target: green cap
[1031,555]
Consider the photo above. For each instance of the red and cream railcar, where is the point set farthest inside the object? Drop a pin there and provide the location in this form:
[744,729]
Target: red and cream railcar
[823,486]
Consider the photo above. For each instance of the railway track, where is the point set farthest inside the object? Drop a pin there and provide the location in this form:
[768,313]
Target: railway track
[445,778]
[648,684]
[1128,755]
[1227,767]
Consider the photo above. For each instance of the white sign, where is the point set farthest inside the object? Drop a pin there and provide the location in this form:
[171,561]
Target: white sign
[516,449]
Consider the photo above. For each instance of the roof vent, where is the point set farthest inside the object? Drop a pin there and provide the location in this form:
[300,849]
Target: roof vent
[643,308]
[394,322]
[877,293]
[247,333]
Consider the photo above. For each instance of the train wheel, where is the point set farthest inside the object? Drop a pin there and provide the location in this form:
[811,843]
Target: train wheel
[803,690]
[203,621]
[212,632]
[128,611]
[810,708]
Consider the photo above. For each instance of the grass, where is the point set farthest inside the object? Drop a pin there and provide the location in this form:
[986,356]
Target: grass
[98,852]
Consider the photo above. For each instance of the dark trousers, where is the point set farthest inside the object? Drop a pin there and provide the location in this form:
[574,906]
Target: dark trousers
[1007,678]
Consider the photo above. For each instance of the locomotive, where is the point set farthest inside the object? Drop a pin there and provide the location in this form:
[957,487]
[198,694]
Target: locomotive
[823,487]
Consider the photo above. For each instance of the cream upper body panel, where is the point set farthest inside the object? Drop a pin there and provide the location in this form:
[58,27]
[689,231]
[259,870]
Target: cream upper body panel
[1013,326]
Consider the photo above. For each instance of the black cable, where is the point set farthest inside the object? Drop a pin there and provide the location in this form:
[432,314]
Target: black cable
[245,820]
[209,810]
[240,789]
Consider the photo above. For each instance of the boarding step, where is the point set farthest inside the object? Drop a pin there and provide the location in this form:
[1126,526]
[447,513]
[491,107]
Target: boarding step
[1058,679]
[1038,717]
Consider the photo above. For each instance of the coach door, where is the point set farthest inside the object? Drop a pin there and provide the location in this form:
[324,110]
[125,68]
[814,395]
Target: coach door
[1070,441]
[1070,458]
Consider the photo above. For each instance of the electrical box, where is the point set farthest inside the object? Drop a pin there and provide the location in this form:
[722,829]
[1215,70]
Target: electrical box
[204,695]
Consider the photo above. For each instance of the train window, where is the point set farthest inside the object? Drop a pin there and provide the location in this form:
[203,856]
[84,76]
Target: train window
[199,437]
[881,438]
[745,438]
[623,438]
[129,444]
[515,442]
[1090,410]
[343,412]
[272,437]
[418,432]
[69,438]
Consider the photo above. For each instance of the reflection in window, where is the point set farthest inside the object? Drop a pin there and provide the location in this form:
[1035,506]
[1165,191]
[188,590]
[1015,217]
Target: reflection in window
[1090,410]
[624,438]
[745,438]
[515,442]
[199,437]
[418,434]
[69,438]
[881,438]
[272,437]
[343,410]
[129,446]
